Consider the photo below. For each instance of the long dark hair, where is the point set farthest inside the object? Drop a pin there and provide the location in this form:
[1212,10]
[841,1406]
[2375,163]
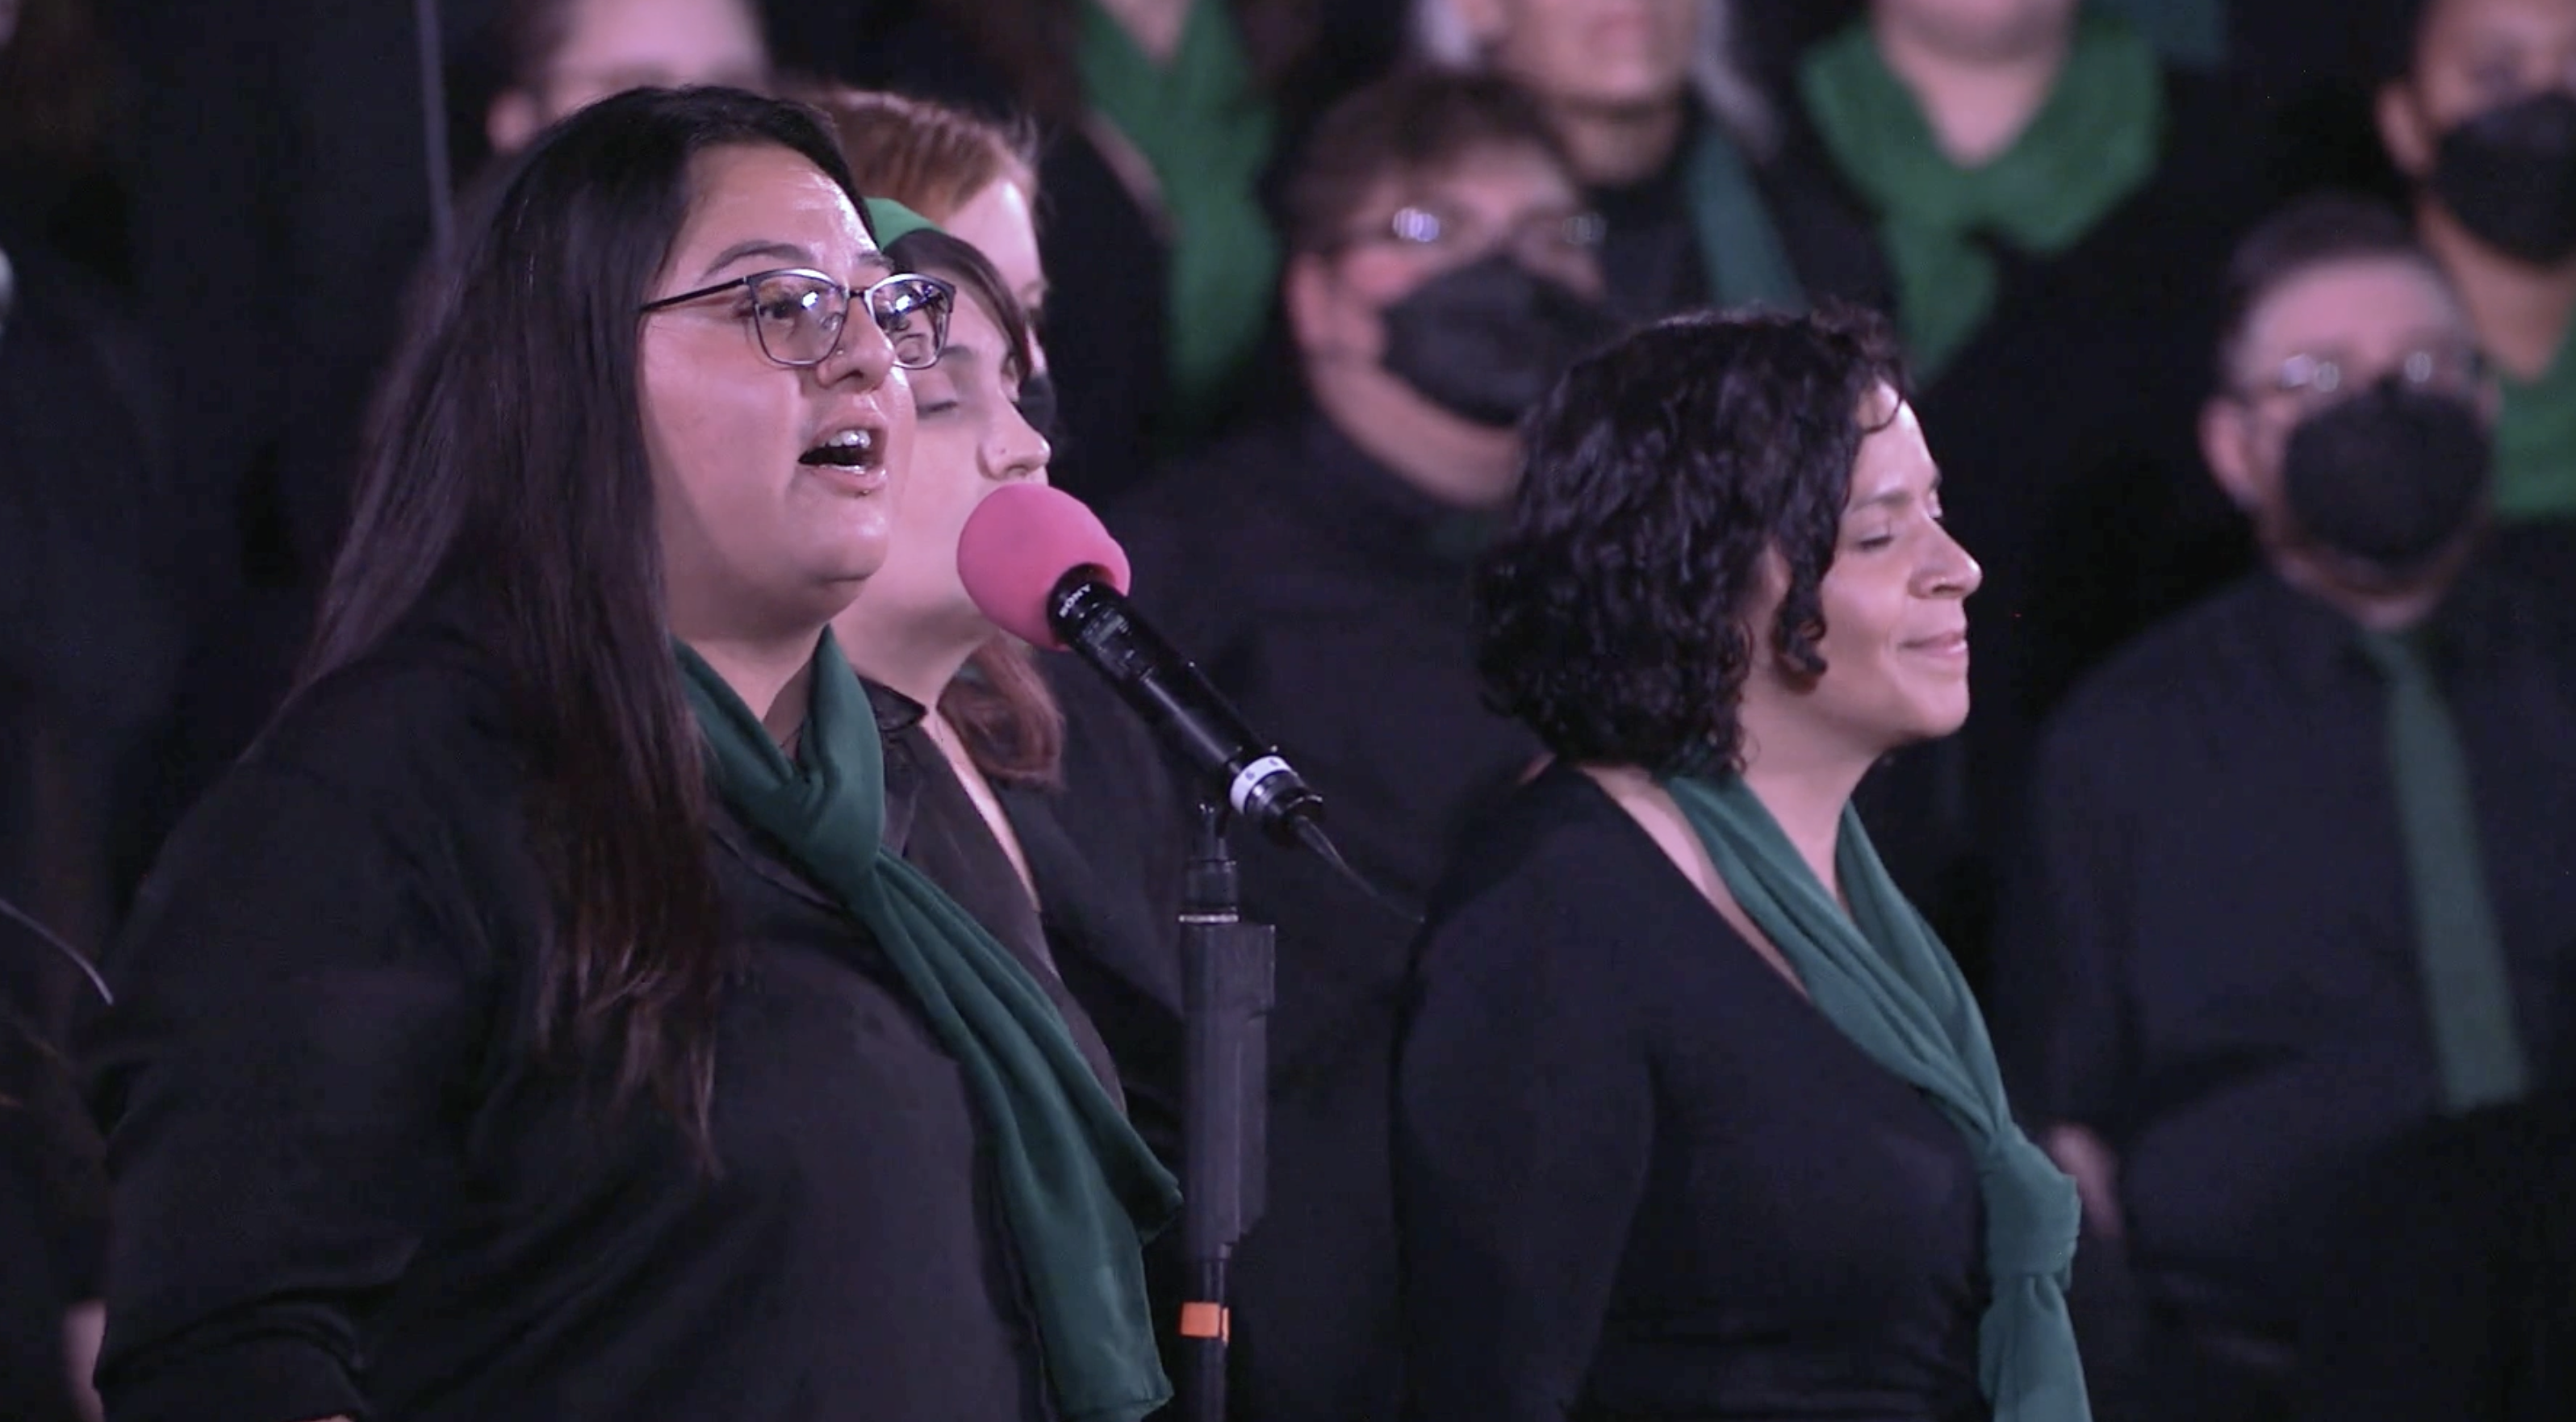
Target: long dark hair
[506,465]
[1000,704]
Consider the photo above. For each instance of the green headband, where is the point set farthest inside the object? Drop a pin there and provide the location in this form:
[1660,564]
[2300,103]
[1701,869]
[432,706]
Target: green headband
[893,221]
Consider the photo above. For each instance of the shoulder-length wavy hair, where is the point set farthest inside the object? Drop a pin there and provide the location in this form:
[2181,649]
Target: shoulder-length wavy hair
[506,466]
[1000,703]
[1662,477]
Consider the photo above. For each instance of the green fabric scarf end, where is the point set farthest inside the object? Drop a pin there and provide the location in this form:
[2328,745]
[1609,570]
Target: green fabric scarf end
[2093,143]
[1079,1190]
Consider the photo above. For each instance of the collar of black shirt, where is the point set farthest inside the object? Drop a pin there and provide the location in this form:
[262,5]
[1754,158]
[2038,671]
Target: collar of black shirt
[1377,508]
[2485,616]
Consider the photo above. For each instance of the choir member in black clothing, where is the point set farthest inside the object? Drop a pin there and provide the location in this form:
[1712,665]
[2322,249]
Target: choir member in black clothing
[2052,207]
[2297,883]
[1695,1116]
[2449,1291]
[531,1025]
[1067,858]
[1683,157]
[1317,568]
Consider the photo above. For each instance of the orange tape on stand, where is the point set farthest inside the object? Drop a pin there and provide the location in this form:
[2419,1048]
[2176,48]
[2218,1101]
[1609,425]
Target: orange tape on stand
[1207,1320]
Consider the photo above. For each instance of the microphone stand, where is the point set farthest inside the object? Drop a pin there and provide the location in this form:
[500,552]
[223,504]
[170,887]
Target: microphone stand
[1227,989]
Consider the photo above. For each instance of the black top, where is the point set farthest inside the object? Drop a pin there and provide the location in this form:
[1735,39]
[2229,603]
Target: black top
[48,1231]
[2452,1290]
[345,1182]
[2210,959]
[1328,599]
[1650,249]
[1642,1177]
[1106,848]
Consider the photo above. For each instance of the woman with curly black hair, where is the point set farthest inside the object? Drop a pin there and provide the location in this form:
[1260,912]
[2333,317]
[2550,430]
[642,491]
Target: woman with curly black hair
[1696,1118]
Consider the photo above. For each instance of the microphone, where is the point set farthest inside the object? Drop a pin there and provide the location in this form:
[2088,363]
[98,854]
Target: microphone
[1039,565]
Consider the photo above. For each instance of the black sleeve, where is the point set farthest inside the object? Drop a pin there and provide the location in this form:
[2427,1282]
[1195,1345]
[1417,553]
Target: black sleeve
[1524,1125]
[2060,1011]
[278,1083]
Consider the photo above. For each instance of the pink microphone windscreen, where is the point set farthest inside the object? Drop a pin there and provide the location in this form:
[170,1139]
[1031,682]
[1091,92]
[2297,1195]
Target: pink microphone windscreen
[1019,543]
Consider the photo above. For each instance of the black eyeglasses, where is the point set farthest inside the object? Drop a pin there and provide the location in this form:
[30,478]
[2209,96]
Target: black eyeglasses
[798,314]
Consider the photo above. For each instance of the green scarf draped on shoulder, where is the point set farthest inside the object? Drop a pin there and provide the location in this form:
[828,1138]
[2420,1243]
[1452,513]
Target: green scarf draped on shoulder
[2093,142]
[1079,1190]
[1880,975]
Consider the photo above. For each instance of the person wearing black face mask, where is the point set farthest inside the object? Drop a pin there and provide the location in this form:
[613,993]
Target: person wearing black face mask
[1441,273]
[2479,110]
[2297,883]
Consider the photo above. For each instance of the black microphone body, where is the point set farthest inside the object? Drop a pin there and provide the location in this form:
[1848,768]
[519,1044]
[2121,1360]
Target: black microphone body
[1243,771]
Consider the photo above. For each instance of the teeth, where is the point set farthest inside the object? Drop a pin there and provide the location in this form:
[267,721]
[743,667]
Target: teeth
[847,448]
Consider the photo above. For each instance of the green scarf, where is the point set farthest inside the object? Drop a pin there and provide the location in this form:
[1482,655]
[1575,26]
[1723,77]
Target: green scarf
[1207,135]
[1740,251]
[1079,1189]
[2188,32]
[2535,441]
[2091,145]
[1879,975]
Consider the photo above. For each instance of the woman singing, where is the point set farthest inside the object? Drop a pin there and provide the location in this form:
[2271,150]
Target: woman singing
[1696,1119]
[530,1025]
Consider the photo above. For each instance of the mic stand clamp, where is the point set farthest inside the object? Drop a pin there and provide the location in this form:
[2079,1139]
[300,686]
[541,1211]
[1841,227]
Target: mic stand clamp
[1227,977]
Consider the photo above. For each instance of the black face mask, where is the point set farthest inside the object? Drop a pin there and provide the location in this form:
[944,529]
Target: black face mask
[1485,341]
[2389,478]
[2509,176]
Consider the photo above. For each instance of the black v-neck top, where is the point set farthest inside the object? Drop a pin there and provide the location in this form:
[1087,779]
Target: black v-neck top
[346,1182]
[1640,1176]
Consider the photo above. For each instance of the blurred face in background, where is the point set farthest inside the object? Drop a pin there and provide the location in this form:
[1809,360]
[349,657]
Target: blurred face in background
[2358,396]
[1591,54]
[600,47]
[2486,121]
[999,222]
[1450,301]
[1978,31]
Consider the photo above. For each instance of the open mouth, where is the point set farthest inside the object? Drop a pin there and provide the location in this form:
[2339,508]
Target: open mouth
[849,449]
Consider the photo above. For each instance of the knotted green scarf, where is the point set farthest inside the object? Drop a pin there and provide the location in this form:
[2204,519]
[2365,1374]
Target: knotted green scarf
[1880,975]
[1079,1189]
[2092,144]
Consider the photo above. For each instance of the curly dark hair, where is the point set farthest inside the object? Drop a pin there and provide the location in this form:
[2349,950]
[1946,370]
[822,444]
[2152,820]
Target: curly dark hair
[1661,476]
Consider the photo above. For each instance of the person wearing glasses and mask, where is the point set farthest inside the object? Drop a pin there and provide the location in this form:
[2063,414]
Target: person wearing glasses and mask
[532,1024]
[1441,273]
[2297,878]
